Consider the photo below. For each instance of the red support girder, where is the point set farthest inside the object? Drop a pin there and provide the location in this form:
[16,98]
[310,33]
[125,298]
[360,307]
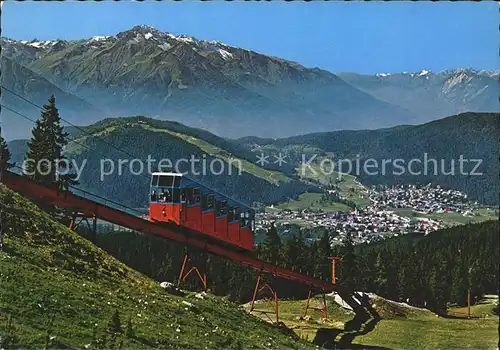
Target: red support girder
[26,187]
[182,276]
[273,302]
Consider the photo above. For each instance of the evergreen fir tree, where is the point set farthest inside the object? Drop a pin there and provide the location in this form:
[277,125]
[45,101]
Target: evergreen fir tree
[302,253]
[272,245]
[45,149]
[290,253]
[4,155]
[476,281]
[404,282]
[439,291]
[349,265]
[323,254]
[459,285]
[37,165]
[381,280]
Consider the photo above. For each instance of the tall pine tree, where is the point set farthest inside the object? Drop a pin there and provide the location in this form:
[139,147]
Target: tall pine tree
[272,245]
[4,155]
[349,265]
[45,158]
[323,254]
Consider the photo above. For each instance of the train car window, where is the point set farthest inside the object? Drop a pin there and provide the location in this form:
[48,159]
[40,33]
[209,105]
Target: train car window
[177,181]
[183,195]
[210,201]
[165,181]
[236,213]
[176,197]
[154,180]
[189,195]
[165,196]
[196,195]
[242,218]
[221,208]
[230,215]
[154,196]
[204,202]
[245,219]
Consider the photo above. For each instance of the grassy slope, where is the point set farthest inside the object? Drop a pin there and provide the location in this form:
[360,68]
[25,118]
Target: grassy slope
[432,332]
[400,327]
[49,271]
[274,177]
[349,187]
[271,176]
[312,201]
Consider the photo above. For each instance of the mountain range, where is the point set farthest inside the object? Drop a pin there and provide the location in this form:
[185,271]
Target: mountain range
[433,95]
[226,90]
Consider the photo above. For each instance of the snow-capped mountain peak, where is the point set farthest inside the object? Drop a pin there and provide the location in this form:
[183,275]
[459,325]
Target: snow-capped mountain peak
[183,38]
[41,44]
[423,73]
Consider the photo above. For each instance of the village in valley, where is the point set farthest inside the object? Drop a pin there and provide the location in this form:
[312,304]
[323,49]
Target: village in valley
[392,211]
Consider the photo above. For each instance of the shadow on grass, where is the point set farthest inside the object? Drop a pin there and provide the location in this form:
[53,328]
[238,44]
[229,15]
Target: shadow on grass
[325,338]
[363,323]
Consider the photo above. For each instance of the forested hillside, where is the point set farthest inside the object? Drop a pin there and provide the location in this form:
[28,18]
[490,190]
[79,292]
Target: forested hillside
[428,271]
[432,270]
[473,136]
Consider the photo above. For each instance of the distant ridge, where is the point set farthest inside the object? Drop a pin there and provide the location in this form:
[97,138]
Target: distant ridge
[235,92]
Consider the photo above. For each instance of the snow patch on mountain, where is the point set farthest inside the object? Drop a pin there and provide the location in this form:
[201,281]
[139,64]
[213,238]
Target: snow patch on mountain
[99,38]
[136,39]
[183,38]
[41,44]
[148,36]
[165,46]
[423,73]
[225,55]
[461,77]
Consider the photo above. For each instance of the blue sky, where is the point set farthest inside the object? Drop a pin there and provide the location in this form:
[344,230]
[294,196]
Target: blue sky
[375,37]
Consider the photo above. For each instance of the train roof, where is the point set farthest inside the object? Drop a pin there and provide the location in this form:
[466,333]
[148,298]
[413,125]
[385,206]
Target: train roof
[230,200]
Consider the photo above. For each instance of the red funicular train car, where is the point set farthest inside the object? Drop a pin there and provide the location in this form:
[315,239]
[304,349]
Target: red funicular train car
[183,201]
